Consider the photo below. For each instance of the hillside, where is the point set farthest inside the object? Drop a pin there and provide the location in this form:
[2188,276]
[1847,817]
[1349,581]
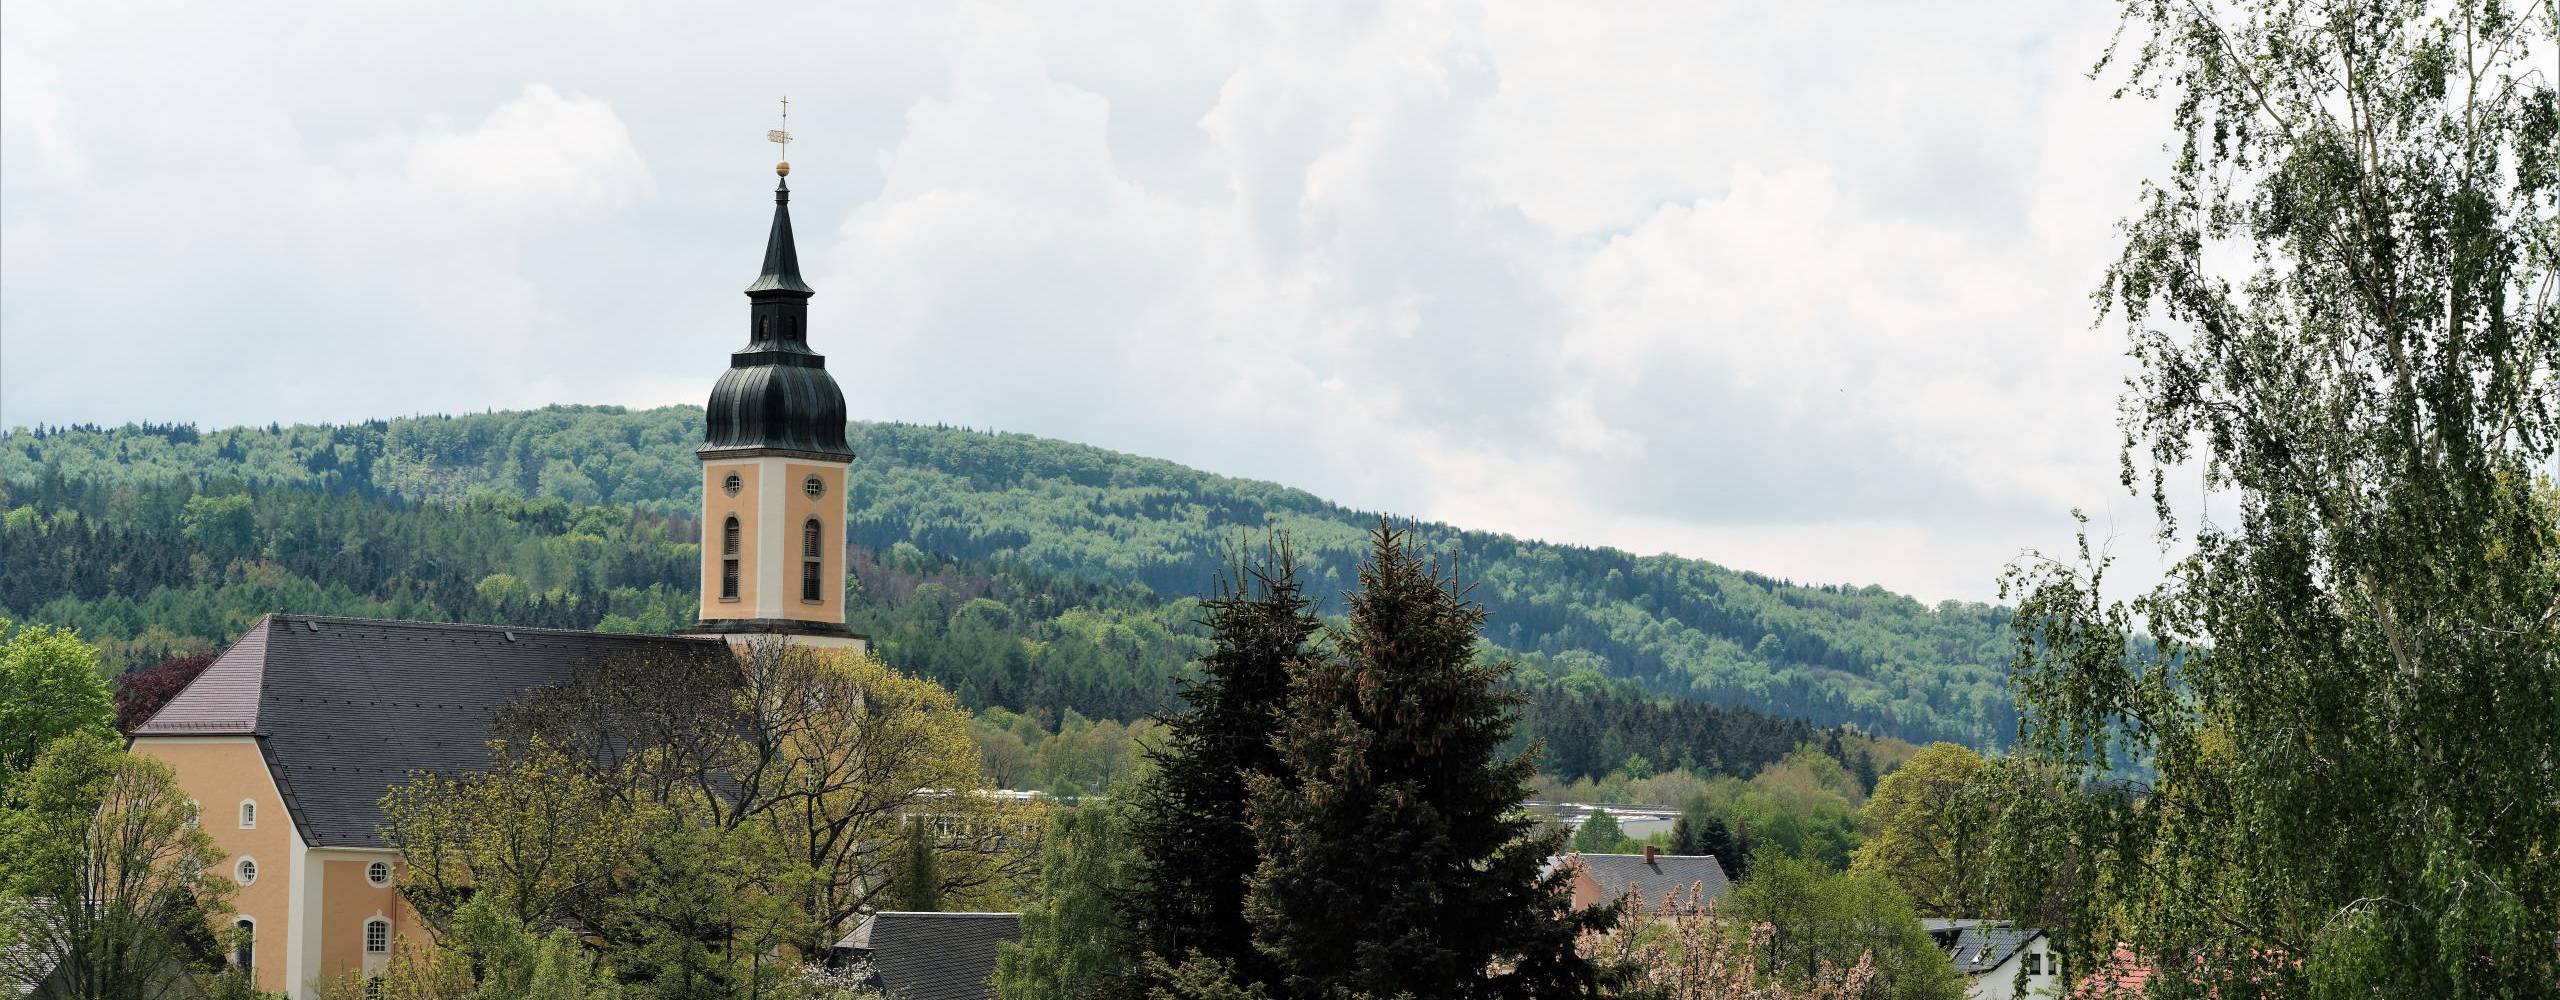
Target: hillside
[388,517]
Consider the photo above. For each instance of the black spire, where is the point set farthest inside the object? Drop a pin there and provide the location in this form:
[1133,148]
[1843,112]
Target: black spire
[781,255]
[777,395]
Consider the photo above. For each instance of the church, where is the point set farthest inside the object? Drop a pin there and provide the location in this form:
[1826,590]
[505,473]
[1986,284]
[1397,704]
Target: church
[288,742]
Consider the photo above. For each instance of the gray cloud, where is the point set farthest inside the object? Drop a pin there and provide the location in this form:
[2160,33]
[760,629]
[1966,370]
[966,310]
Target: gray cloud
[1793,287]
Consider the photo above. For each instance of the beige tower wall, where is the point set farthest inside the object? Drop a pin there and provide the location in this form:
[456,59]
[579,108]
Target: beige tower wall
[828,509]
[717,507]
[773,507]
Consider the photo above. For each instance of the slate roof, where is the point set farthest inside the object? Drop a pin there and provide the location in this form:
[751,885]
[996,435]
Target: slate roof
[1657,877]
[937,956]
[345,708]
[1978,947]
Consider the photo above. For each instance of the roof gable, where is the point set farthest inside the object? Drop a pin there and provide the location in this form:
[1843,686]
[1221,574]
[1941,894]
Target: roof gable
[223,700]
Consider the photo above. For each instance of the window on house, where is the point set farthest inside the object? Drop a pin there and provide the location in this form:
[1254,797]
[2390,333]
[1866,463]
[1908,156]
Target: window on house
[810,565]
[2035,964]
[195,814]
[378,873]
[377,937]
[246,871]
[244,949]
[248,815]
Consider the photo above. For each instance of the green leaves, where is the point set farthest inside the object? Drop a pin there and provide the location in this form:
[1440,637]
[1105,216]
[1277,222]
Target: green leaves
[49,687]
[2342,298]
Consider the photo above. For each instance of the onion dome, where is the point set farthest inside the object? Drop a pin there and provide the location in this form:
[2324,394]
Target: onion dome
[776,396]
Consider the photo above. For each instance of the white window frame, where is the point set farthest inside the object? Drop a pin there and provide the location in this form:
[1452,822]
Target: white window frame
[369,924]
[245,870]
[384,880]
[248,814]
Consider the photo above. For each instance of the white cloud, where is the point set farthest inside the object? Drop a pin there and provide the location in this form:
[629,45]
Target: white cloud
[1796,288]
[537,152]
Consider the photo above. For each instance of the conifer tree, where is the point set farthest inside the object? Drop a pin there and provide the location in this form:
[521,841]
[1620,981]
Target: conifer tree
[1193,849]
[1395,857]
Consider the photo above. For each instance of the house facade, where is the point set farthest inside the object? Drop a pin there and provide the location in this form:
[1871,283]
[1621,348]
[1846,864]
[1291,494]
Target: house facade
[289,741]
[1999,960]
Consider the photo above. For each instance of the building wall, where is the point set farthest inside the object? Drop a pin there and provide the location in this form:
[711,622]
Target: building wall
[772,506]
[828,509]
[218,772]
[2001,983]
[348,899]
[717,507]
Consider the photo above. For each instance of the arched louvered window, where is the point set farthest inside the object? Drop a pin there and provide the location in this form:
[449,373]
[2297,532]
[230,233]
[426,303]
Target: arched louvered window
[729,560]
[812,564]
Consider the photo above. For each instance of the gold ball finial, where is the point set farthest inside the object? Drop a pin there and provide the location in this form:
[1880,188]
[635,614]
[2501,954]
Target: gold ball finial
[782,169]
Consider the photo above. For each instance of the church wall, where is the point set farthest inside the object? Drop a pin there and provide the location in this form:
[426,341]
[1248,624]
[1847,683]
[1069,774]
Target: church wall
[218,772]
[828,508]
[348,899]
[717,508]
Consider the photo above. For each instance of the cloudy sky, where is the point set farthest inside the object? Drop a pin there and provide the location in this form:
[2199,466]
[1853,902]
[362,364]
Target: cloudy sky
[1797,287]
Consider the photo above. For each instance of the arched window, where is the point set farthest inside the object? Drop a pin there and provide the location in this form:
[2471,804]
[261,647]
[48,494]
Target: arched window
[811,565]
[248,814]
[246,871]
[729,560]
[244,948]
[377,936]
[378,873]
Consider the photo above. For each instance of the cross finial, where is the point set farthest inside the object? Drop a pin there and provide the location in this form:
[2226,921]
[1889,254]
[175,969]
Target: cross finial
[782,135]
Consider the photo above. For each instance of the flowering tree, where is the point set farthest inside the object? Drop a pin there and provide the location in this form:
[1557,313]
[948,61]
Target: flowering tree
[1683,949]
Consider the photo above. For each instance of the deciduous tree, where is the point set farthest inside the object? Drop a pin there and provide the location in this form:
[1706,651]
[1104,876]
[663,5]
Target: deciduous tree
[49,686]
[1929,830]
[2342,298]
[103,872]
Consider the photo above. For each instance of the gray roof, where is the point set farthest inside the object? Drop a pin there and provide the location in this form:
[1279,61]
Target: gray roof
[345,708]
[939,956]
[1978,947]
[1658,877]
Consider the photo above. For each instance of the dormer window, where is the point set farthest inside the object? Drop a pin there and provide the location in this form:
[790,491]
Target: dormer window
[248,815]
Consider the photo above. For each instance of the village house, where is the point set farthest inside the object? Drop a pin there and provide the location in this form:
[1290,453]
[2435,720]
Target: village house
[1652,876]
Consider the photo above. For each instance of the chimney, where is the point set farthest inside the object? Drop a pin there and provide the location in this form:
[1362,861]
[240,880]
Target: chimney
[1648,854]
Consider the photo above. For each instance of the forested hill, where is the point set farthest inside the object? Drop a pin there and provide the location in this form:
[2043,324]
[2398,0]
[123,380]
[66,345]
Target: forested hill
[403,506]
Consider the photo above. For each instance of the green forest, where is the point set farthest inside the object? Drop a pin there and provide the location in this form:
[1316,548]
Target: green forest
[1023,571]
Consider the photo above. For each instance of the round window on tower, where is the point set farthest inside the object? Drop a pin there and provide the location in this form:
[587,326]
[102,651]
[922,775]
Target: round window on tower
[814,487]
[732,485]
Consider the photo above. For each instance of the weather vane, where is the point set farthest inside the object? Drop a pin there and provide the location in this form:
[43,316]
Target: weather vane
[782,135]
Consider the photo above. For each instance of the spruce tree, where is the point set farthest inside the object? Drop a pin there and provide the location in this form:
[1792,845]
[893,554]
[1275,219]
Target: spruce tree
[1395,857]
[1192,848]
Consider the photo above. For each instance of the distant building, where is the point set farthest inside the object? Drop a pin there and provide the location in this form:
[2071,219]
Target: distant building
[1998,958]
[1652,876]
[289,740]
[932,956]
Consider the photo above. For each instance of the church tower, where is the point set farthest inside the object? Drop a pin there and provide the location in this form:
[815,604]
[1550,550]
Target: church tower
[774,461]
